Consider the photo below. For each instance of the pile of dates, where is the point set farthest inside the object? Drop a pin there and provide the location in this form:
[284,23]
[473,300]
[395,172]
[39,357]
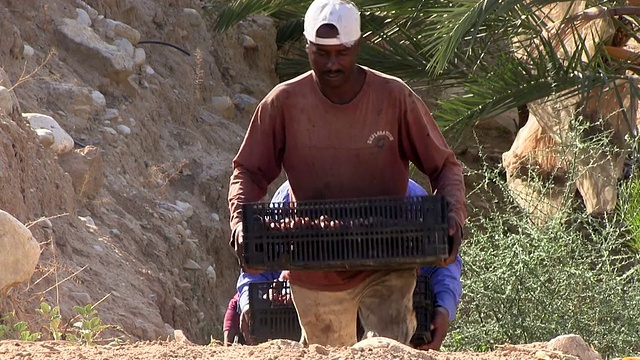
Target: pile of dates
[306,223]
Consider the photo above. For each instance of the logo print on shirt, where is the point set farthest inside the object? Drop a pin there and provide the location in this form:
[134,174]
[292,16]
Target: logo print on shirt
[379,138]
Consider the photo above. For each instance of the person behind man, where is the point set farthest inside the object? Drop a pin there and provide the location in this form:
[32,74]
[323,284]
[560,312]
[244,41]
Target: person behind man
[343,130]
[446,283]
[231,324]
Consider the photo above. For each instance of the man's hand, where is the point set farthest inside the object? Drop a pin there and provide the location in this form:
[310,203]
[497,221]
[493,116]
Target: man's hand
[284,275]
[278,294]
[245,321]
[439,329]
[238,242]
[455,240]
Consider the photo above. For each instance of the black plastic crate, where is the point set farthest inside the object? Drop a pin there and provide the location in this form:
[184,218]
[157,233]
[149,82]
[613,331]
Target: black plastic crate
[358,234]
[273,315]
[276,317]
[423,304]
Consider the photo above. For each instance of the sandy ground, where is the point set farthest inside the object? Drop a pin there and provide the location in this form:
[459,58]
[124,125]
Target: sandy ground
[276,349]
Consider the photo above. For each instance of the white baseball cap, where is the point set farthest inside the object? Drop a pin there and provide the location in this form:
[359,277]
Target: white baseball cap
[340,13]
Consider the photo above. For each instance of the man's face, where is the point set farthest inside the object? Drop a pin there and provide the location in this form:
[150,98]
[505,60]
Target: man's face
[332,64]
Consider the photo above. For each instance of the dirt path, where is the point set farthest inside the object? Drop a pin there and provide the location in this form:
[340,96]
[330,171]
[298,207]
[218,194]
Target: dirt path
[277,349]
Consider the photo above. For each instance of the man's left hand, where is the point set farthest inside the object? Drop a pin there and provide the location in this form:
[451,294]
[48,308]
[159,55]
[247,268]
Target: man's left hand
[439,329]
[455,239]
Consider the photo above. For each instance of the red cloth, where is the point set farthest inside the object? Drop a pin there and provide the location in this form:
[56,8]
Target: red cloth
[232,317]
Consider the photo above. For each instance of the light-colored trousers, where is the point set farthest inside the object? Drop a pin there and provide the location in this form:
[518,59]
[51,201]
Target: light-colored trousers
[384,302]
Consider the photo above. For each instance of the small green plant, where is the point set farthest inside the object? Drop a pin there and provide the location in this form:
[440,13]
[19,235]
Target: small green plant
[85,328]
[52,314]
[89,327]
[16,330]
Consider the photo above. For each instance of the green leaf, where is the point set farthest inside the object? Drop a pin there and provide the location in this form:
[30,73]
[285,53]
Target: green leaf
[45,308]
[94,323]
[80,310]
[19,326]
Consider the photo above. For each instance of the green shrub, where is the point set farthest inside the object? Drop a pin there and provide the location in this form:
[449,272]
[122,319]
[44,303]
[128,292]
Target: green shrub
[629,209]
[524,283]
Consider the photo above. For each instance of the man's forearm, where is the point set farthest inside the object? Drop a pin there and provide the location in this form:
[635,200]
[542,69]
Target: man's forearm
[447,286]
[450,184]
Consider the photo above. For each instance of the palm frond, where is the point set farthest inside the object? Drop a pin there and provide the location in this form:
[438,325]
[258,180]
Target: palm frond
[498,54]
[237,10]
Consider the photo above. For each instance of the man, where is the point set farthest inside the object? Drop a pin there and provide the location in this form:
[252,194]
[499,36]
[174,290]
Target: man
[329,129]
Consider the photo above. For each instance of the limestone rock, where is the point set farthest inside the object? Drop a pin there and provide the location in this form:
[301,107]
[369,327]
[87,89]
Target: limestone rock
[81,298]
[318,349]
[139,56]
[124,30]
[83,17]
[534,155]
[245,102]
[286,344]
[19,252]
[93,14]
[81,101]
[223,106]
[248,43]
[392,345]
[45,137]
[574,345]
[180,337]
[87,46]
[63,142]
[85,168]
[184,208]
[191,265]
[192,16]
[99,101]
[8,101]
[126,47]
[211,273]
[123,129]
[27,51]
[598,184]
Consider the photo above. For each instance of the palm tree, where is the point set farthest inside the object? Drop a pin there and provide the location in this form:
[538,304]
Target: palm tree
[489,56]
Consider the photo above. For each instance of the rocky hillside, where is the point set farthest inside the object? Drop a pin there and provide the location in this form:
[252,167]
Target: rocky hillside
[124,182]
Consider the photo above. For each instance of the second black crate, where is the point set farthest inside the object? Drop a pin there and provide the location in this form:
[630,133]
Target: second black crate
[423,304]
[273,315]
[357,234]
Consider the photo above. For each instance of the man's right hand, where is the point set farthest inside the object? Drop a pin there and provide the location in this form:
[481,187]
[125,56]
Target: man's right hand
[238,243]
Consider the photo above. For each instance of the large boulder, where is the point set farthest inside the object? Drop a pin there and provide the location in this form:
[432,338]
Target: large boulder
[533,155]
[81,41]
[594,169]
[573,345]
[19,252]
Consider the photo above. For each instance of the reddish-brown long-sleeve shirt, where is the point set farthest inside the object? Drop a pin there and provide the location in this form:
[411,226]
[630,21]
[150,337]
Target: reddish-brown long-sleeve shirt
[331,151]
